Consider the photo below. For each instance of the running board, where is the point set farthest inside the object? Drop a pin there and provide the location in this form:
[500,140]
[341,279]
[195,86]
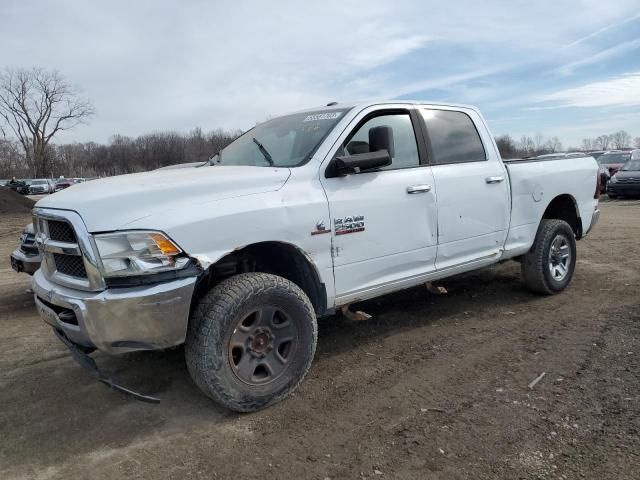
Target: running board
[89,364]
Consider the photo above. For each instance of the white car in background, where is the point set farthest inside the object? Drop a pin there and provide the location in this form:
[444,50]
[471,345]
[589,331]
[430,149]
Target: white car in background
[39,186]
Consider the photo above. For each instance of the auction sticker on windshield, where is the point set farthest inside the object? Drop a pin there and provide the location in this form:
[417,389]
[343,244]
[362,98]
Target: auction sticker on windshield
[322,116]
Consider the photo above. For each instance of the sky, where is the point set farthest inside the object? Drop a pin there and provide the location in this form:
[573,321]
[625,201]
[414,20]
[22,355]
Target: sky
[564,68]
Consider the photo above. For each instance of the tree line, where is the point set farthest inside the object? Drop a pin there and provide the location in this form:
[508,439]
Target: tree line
[36,104]
[529,146]
[120,155]
[618,140]
[123,154]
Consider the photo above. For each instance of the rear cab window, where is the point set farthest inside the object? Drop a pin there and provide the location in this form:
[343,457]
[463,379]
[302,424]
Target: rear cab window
[452,137]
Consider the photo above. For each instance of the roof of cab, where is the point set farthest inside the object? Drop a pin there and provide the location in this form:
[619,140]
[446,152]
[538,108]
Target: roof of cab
[364,104]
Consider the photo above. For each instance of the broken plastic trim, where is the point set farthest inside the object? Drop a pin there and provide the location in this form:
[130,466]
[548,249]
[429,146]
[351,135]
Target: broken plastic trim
[190,269]
[89,364]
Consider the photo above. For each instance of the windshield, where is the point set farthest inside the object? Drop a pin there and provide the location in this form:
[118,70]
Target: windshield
[609,158]
[287,141]
[38,182]
[632,165]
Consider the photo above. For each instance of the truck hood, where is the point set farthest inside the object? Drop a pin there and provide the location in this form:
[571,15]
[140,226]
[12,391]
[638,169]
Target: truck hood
[112,203]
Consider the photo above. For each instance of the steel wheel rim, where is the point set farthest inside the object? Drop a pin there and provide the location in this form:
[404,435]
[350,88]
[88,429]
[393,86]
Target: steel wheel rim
[262,345]
[559,258]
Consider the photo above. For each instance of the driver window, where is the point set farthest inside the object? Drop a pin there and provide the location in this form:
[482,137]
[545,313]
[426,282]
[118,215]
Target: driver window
[404,150]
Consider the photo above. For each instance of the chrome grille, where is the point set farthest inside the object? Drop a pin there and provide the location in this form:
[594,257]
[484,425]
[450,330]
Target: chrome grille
[70,265]
[61,231]
[64,250]
[68,252]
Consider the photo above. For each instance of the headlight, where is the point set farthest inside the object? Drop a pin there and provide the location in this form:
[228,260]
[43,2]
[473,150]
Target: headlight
[138,253]
[614,179]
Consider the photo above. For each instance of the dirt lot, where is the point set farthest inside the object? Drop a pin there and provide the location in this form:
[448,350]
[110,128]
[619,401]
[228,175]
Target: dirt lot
[431,387]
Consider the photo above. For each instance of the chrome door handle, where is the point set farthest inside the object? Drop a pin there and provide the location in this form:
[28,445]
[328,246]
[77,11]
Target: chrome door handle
[418,189]
[494,179]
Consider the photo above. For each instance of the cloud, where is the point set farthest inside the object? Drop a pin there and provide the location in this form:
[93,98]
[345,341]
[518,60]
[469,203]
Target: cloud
[390,46]
[600,57]
[602,30]
[623,91]
[161,65]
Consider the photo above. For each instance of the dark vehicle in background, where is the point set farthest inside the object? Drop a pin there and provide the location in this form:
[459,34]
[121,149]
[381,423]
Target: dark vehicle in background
[613,160]
[626,181]
[26,258]
[66,183]
[605,176]
[19,186]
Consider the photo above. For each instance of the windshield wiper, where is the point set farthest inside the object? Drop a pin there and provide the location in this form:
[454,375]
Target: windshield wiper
[264,152]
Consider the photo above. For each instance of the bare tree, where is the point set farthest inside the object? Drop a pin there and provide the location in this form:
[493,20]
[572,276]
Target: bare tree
[553,145]
[602,142]
[35,105]
[526,145]
[10,157]
[636,142]
[587,144]
[538,141]
[506,146]
[621,139]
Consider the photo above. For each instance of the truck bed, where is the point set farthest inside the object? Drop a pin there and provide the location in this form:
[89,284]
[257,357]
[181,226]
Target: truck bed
[536,181]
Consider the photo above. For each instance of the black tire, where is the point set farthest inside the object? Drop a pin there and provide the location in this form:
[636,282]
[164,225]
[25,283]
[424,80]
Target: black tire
[612,196]
[235,344]
[544,268]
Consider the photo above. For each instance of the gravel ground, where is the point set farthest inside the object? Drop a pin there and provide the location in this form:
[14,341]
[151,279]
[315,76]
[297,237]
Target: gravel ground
[430,387]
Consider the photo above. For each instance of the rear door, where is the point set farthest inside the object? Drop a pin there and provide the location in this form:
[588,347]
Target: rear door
[471,184]
[383,222]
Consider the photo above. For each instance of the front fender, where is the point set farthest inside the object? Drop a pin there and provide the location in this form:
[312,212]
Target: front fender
[209,233]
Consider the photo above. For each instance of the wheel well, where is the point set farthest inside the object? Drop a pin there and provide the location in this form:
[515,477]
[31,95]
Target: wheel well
[564,207]
[282,259]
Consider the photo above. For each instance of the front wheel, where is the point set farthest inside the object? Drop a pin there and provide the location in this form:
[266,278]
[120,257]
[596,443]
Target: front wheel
[548,267]
[251,340]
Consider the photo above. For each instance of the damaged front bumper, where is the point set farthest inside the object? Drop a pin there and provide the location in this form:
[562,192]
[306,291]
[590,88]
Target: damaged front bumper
[89,364]
[118,320]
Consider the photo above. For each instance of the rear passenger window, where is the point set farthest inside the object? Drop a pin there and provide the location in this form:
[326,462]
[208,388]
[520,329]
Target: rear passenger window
[453,137]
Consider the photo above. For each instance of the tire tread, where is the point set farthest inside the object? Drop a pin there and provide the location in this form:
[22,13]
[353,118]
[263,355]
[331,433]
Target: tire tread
[534,262]
[207,326]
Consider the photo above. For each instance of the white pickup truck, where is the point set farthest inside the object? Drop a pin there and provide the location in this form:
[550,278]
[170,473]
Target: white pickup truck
[300,216]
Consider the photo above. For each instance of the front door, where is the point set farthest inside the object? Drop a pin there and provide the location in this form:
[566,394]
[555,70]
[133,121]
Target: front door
[383,222]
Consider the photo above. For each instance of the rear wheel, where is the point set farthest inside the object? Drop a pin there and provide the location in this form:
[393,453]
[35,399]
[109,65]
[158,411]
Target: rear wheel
[548,267]
[251,341]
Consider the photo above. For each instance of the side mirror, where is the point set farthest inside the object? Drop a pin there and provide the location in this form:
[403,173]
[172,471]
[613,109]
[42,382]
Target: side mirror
[360,162]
